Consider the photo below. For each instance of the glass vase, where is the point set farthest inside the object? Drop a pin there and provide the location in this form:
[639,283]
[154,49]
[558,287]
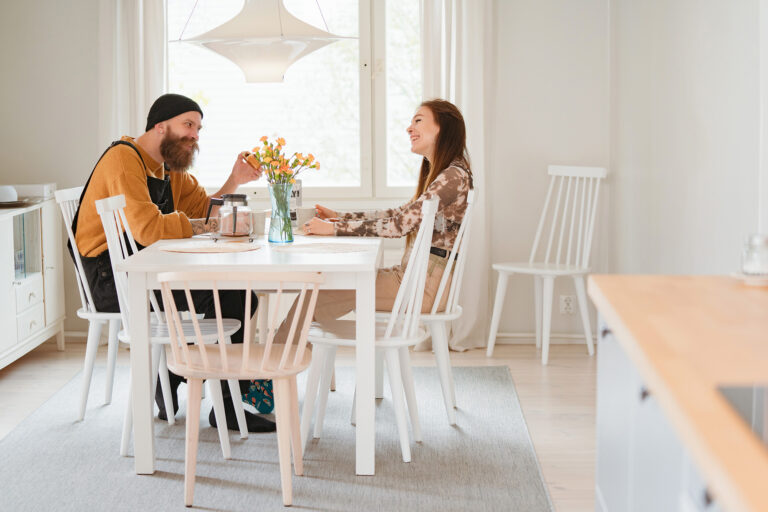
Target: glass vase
[280,222]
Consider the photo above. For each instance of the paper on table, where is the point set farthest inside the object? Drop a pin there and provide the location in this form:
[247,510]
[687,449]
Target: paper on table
[209,246]
[322,248]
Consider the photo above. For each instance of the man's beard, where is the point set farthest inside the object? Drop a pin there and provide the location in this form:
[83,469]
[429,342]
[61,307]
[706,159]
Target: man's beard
[176,152]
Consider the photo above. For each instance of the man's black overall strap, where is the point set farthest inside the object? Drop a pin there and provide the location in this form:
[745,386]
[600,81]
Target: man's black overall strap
[82,195]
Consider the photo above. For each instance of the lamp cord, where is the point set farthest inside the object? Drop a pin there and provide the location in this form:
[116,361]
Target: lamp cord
[321,15]
[187,22]
[280,17]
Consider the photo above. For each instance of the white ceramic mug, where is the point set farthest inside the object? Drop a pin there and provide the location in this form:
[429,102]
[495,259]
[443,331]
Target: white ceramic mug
[259,222]
[303,215]
[8,194]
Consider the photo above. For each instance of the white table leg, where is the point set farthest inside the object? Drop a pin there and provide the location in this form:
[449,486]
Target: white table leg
[365,372]
[141,375]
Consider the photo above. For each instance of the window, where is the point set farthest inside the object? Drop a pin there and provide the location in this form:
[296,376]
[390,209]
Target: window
[331,103]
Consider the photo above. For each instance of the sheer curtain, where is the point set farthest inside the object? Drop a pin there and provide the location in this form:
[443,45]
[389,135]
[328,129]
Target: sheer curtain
[456,50]
[132,65]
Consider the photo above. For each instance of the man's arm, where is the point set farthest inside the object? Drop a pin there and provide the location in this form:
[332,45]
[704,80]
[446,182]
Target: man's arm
[199,226]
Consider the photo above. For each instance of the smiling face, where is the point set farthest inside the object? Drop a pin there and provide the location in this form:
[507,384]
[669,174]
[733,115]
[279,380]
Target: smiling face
[180,135]
[423,132]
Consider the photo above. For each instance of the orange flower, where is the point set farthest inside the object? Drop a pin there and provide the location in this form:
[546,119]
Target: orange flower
[280,141]
[263,139]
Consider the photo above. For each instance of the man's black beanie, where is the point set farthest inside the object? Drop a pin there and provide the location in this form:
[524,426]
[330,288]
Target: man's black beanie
[170,105]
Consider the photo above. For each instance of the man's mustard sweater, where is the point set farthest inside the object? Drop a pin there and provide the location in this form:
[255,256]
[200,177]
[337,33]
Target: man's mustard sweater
[121,172]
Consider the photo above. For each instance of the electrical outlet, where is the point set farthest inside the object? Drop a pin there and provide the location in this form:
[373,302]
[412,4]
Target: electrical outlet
[567,305]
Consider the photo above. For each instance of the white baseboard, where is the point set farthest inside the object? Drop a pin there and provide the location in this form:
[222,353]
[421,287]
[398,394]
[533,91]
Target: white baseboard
[502,338]
[529,338]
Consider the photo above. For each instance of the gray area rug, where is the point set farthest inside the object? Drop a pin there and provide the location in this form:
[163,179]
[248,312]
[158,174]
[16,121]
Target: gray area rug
[487,462]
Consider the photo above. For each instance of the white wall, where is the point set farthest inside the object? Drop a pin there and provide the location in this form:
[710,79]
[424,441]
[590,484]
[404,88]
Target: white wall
[670,90]
[551,107]
[685,126]
[48,109]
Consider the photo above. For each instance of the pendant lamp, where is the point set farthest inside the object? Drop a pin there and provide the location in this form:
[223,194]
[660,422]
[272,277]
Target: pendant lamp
[264,39]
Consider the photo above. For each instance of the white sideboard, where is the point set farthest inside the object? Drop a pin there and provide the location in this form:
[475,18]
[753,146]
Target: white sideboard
[681,393]
[641,463]
[31,279]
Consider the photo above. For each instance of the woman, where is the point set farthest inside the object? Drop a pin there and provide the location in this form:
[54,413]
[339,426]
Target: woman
[437,133]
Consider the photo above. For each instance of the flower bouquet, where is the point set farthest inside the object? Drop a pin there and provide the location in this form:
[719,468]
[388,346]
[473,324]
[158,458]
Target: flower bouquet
[281,171]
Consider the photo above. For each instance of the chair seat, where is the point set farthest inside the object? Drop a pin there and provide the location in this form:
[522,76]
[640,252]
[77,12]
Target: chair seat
[235,354]
[158,333]
[98,315]
[342,333]
[552,269]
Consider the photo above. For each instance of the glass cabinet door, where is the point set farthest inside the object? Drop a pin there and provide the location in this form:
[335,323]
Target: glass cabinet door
[26,244]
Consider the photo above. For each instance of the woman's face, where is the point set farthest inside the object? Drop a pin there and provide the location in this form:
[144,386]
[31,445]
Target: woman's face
[423,131]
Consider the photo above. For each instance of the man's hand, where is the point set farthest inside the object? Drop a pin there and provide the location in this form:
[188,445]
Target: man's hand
[316,226]
[243,172]
[199,226]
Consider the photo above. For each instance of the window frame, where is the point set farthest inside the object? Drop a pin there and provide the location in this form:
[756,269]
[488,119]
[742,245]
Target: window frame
[373,118]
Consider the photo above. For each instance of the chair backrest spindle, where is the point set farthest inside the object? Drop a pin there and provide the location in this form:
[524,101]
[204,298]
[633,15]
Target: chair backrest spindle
[574,211]
[296,342]
[69,201]
[406,311]
[121,244]
[456,261]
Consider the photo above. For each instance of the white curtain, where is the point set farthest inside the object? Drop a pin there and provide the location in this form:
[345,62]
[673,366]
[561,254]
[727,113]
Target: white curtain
[132,65]
[456,49]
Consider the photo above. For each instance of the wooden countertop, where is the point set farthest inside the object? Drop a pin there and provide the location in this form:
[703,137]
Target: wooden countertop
[687,335]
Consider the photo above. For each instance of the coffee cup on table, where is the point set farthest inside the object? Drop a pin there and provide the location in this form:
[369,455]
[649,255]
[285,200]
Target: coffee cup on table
[259,222]
[303,215]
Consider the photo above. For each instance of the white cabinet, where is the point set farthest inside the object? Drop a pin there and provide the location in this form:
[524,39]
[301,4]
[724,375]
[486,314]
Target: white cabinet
[31,279]
[641,463]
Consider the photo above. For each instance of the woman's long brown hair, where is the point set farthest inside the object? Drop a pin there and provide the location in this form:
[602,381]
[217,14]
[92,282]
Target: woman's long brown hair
[450,146]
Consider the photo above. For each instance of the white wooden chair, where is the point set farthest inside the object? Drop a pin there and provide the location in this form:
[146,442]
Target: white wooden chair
[394,334]
[68,200]
[121,244]
[577,192]
[281,363]
[438,322]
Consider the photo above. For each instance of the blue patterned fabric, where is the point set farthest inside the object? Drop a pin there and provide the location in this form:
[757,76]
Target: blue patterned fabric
[260,396]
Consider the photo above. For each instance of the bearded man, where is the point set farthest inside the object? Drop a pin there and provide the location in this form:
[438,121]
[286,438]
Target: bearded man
[162,201]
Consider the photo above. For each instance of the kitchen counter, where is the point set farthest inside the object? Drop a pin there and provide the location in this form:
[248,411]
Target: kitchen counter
[688,335]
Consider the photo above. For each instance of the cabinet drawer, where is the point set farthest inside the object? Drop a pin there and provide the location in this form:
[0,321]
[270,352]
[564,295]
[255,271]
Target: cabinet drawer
[29,292]
[30,321]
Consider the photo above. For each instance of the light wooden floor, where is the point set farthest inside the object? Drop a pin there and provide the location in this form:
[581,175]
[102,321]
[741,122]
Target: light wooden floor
[558,402]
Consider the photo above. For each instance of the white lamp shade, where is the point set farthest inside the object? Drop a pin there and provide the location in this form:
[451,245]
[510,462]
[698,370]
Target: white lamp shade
[254,42]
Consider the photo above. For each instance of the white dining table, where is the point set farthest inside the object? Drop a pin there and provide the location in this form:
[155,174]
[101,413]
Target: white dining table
[342,270]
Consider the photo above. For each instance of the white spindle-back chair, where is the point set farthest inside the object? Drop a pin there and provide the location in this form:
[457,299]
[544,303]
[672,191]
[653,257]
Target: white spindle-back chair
[567,224]
[69,200]
[281,363]
[438,321]
[121,244]
[394,334]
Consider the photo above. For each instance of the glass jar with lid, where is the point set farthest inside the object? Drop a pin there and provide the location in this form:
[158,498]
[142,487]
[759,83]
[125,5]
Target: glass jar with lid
[234,215]
[754,255]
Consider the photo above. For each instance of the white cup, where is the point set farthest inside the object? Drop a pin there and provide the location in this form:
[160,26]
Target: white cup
[259,221]
[7,194]
[303,215]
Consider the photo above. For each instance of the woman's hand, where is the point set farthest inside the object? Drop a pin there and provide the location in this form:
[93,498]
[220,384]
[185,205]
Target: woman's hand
[317,226]
[326,213]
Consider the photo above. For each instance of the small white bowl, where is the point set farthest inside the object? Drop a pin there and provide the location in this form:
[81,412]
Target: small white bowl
[8,194]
